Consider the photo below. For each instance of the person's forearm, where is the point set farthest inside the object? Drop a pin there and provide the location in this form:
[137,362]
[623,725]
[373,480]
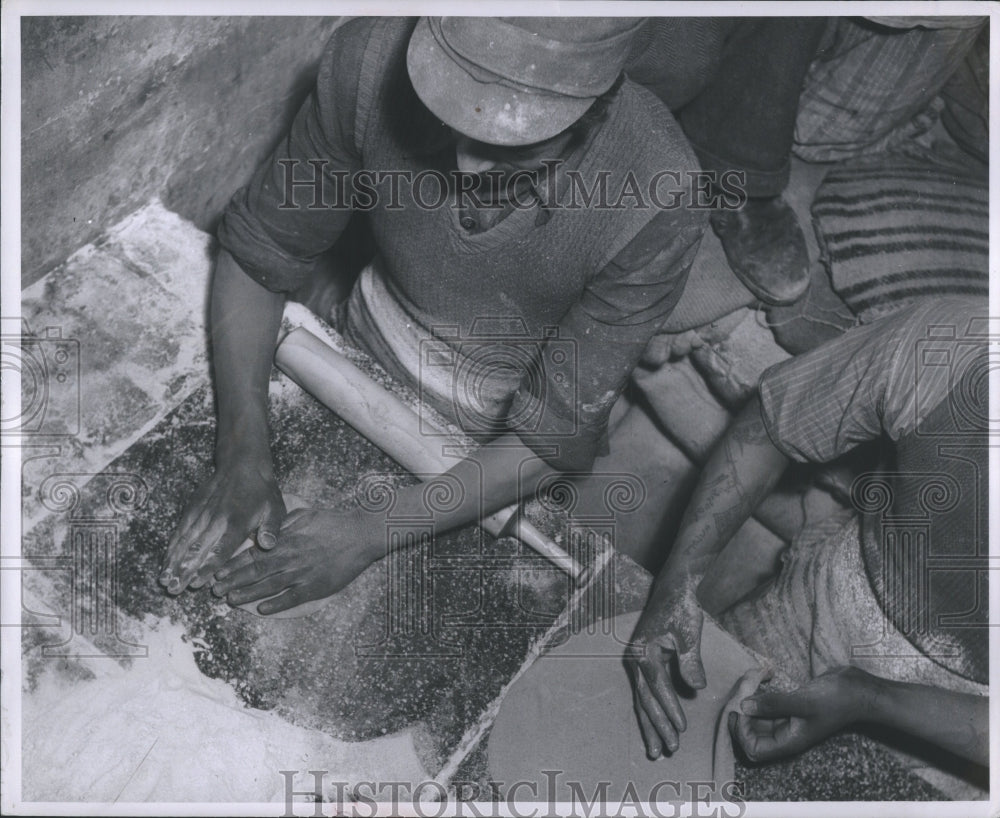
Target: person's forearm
[742,468]
[245,321]
[957,722]
[494,476]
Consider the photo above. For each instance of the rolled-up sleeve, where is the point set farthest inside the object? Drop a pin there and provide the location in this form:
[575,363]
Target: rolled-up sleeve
[880,378]
[601,339]
[278,224]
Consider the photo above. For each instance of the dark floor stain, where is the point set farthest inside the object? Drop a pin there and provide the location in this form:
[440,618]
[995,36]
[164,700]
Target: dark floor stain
[354,670]
[846,767]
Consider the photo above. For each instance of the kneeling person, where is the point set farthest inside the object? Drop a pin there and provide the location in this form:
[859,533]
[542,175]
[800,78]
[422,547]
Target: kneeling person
[882,622]
[517,103]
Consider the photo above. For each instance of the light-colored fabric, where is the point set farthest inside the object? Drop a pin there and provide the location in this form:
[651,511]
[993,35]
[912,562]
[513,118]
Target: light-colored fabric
[465,391]
[820,613]
[866,383]
[862,93]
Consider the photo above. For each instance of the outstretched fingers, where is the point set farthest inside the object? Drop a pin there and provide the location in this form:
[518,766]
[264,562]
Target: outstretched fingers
[267,587]
[200,550]
[295,595]
[656,671]
[192,550]
[650,735]
[663,722]
[217,554]
[179,545]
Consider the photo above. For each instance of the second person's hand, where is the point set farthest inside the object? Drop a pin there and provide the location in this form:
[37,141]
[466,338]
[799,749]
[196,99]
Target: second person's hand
[237,501]
[319,552]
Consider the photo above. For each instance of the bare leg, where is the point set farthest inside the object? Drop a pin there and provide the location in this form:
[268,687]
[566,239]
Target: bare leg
[640,449]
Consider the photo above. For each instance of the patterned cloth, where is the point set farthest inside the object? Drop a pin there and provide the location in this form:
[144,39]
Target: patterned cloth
[820,613]
[861,386]
[871,81]
[893,229]
[919,378]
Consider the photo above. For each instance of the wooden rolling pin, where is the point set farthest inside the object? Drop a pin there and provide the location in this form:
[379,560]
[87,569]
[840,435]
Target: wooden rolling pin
[394,427]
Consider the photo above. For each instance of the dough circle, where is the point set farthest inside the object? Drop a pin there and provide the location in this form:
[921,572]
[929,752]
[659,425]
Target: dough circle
[572,714]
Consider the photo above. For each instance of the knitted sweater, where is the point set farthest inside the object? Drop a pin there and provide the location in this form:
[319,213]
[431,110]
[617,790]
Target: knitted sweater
[591,283]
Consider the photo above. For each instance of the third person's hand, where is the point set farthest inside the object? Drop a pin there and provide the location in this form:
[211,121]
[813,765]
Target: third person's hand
[775,724]
[667,633]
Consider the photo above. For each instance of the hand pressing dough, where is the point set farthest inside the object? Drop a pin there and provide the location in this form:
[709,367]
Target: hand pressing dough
[572,712]
[292,502]
[745,686]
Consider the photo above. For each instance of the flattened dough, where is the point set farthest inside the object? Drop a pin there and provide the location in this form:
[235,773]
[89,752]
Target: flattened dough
[572,712]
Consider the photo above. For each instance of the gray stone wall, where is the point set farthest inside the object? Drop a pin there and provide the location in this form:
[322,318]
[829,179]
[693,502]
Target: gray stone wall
[116,111]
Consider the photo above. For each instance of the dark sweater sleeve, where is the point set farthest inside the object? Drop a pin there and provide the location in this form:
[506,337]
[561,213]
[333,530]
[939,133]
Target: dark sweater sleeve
[276,230]
[600,340]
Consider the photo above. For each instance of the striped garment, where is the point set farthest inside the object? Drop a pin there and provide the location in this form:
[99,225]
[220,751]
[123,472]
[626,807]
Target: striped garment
[869,88]
[871,381]
[919,377]
[895,229]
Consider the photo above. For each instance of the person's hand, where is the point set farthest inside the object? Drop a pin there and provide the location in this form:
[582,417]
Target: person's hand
[775,724]
[669,346]
[236,501]
[319,552]
[667,633]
